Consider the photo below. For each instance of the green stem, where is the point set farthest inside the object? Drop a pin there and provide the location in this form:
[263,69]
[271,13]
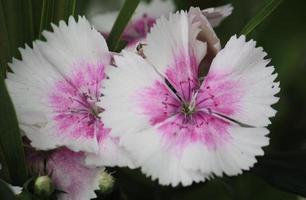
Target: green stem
[73,7]
[5,49]
[122,20]
[42,18]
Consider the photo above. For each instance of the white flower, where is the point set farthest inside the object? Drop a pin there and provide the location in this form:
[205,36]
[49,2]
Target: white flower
[54,89]
[182,130]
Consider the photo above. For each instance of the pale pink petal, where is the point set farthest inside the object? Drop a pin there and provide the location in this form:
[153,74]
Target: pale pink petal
[67,171]
[70,174]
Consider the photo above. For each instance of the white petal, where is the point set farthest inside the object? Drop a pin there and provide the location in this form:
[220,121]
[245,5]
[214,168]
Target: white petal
[217,14]
[154,9]
[157,162]
[121,111]
[207,33]
[104,22]
[110,154]
[170,38]
[242,64]
[72,43]
[232,157]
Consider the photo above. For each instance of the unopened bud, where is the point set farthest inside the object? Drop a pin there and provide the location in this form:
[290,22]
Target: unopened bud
[43,186]
[106,182]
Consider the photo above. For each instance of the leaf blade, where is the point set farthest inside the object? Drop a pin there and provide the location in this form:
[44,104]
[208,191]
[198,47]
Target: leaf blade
[10,138]
[122,20]
[261,15]
[5,191]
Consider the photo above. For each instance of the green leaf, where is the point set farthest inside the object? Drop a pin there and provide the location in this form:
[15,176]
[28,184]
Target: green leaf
[27,14]
[64,9]
[10,139]
[122,20]
[52,11]
[264,12]
[46,17]
[284,170]
[4,172]
[4,41]
[5,192]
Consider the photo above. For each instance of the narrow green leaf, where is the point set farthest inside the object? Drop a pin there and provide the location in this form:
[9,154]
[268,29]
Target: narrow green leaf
[4,172]
[122,20]
[28,20]
[264,12]
[36,12]
[4,41]
[42,17]
[13,15]
[64,9]
[5,192]
[45,18]
[10,139]
[73,7]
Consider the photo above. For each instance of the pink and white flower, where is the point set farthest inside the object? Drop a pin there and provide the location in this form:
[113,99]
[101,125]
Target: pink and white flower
[55,88]
[68,172]
[178,128]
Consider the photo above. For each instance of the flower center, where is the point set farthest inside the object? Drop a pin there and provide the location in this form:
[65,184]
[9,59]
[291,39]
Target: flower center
[188,108]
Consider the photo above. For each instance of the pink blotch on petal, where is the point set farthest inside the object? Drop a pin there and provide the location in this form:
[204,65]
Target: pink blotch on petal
[138,29]
[219,94]
[180,131]
[67,171]
[73,102]
[183,74]
[157,102]
[70,174]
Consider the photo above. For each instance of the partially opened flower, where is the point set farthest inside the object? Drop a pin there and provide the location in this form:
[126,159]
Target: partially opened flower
[54,89]
[178,128]
[69,175]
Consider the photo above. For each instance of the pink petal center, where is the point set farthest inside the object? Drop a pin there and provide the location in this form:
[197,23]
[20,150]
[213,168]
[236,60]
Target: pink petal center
[73,101]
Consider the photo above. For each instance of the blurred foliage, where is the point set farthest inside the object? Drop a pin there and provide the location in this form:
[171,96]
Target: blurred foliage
[5,192]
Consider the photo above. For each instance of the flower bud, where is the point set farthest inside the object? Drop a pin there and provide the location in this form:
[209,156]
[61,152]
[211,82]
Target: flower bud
[43,186]
[106,182]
